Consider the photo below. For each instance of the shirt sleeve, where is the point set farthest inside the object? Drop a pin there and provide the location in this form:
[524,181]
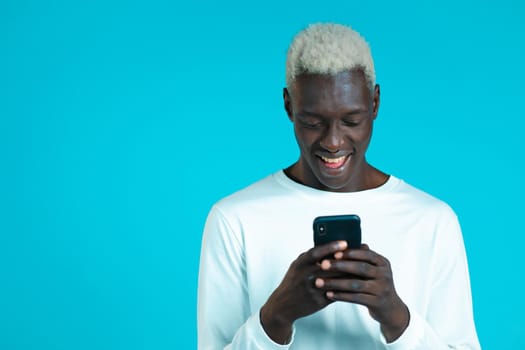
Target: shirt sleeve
[448,322]
[224,318]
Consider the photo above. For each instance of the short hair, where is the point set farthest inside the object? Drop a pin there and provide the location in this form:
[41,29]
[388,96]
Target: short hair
[328,48]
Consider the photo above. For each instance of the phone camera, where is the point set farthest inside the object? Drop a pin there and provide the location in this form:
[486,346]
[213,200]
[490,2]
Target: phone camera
[322,229]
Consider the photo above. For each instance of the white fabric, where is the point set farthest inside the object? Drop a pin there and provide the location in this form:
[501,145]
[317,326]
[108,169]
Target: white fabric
[252,237]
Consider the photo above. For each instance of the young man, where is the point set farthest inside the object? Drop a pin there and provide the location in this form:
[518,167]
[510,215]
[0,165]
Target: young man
[263,286]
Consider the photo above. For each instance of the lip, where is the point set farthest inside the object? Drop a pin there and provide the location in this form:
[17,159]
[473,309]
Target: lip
[333,164]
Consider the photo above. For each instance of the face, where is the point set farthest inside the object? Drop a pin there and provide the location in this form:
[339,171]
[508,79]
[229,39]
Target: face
[333,117]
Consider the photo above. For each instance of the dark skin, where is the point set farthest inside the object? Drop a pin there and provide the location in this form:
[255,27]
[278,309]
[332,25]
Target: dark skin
[333,118]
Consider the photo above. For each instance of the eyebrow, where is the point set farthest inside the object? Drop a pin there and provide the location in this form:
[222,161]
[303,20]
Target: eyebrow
[306,113]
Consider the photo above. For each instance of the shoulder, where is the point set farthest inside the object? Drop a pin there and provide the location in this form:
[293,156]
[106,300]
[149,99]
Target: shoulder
[251,192]
[258,195]
[420,200]
[427,219]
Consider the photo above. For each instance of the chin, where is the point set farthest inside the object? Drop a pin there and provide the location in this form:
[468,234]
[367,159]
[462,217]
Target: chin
[334,185]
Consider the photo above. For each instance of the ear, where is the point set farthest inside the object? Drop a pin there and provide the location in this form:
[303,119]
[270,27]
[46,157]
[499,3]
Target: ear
[375,101]
[287,104]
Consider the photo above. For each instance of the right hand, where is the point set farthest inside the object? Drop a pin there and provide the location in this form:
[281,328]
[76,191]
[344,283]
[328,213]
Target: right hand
[297,296]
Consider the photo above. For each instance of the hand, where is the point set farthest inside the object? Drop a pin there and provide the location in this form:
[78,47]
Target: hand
[297,295]
[368,282]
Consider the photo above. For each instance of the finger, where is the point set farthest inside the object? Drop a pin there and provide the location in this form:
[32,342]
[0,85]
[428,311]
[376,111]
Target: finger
[356,298]
[365,255]
[317,253]
[330,274]
[340,255]
[359,268]
[346,285]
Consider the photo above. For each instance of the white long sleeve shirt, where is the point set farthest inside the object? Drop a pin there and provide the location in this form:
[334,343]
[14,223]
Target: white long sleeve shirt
[252,237]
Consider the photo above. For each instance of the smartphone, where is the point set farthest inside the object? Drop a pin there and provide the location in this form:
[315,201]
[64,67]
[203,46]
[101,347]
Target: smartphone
[338,228]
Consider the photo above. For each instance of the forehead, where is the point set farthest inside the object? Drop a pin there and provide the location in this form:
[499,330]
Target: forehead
[348,89]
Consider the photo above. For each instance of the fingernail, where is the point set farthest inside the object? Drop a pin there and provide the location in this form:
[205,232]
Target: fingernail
[342,245]
[329,295]
[338,255]
[325,264]
[319,283]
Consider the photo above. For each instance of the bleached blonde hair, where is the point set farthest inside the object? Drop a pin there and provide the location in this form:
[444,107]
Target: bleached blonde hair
[328,48]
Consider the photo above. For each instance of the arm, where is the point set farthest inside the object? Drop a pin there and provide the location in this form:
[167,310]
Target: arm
[225,320]
[447,321]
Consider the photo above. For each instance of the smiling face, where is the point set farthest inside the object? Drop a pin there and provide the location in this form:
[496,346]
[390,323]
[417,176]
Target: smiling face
[333,117]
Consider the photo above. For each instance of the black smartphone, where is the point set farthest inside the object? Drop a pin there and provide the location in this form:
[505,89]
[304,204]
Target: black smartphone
[338,228]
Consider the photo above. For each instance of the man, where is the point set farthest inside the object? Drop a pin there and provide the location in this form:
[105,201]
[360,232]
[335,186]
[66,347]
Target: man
[263,286]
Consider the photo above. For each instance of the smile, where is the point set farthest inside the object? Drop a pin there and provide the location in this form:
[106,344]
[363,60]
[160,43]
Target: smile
[334,163]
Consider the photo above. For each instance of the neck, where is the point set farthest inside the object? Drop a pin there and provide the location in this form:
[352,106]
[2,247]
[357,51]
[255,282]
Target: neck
[368,177]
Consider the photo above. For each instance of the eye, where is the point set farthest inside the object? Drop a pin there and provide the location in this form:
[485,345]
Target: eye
[350,123]
[311,123]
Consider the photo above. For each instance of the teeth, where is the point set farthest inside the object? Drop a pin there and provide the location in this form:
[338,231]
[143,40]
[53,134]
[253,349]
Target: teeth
[333,160]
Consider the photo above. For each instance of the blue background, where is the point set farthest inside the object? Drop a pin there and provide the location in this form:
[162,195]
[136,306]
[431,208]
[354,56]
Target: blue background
[121,123]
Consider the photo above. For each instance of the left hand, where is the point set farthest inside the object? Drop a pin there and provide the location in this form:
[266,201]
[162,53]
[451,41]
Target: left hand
[366,279]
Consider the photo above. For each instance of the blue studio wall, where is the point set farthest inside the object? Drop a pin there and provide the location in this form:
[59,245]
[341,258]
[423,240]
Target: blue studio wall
[122,122]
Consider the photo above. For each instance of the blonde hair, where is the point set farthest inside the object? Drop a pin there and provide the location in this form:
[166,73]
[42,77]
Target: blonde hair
[328,48]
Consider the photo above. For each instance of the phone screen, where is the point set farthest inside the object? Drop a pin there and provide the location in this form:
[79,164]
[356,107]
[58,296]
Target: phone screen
[338,228]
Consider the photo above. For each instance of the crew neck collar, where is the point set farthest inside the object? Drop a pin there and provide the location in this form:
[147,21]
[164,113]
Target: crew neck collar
[284,180]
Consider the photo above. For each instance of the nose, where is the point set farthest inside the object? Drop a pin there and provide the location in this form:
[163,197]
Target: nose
[332,140]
